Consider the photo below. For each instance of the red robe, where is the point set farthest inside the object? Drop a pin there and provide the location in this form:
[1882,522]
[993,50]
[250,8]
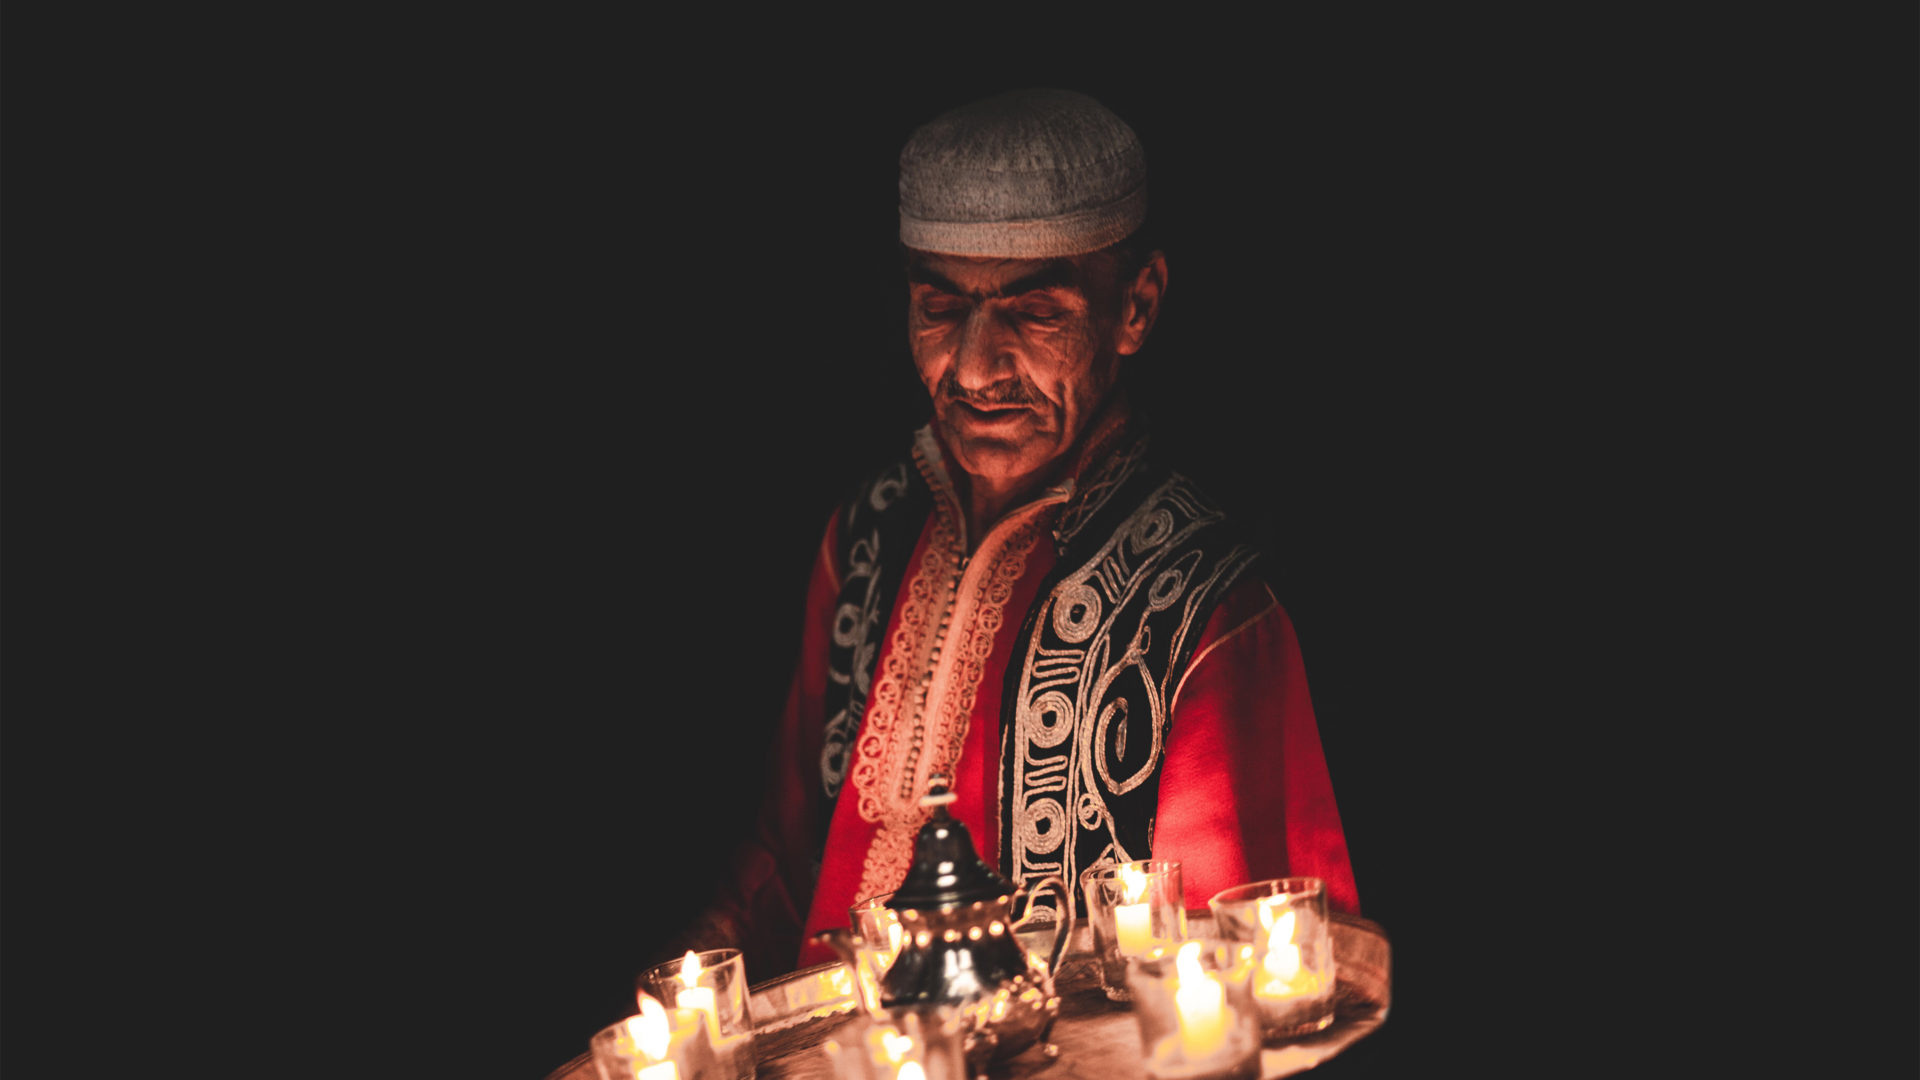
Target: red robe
[1244,792]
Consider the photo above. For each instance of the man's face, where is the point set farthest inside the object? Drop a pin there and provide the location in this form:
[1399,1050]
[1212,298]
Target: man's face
[1018,355]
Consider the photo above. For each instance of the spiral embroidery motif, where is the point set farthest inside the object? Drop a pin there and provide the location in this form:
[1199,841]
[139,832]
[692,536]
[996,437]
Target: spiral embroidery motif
[1089,717]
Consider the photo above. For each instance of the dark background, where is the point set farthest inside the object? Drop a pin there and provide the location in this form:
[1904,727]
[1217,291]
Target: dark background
[489,383]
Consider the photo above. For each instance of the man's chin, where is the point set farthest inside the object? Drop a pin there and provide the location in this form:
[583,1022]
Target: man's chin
[998,457]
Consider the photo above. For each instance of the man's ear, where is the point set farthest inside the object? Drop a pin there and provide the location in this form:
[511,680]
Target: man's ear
[1141,305]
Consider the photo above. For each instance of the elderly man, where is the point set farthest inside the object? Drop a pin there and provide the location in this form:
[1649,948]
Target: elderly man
[1029,603]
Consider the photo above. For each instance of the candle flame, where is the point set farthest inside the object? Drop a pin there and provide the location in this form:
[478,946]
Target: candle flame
[1283,956]
[895,1046]
[1133,883]
[912,1071]
[1200,1009]
[690,970]
[1186,963]
[1282,961]
[649,1029]
[1278,930]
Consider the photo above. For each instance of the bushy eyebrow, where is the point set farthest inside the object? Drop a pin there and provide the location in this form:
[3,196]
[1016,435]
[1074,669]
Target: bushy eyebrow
[1057,273]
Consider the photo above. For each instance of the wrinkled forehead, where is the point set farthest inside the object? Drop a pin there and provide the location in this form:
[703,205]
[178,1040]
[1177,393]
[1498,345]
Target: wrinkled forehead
[987,276]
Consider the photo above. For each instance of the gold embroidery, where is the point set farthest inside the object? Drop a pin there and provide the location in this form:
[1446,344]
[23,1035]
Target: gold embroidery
[912,732]
[1060,820]
[988,612]
[878,755]
[891,854]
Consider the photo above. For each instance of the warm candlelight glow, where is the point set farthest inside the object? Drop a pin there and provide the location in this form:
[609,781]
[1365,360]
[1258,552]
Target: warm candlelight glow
[699,998]
[1133,925]
[649,1030]
[899,1047]
[1201,1004]
[894,1045]
[1283,977]
[1133,920]
[891,1048]
[651,1033]
[1283,956]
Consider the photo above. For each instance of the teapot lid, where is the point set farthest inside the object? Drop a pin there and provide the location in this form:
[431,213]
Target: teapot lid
[946,867]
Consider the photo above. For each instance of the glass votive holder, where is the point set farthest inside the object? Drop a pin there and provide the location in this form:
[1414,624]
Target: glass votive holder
[877,928]
[713,983]
[1134,907]
[1194,1004]
[656,1044]
[1286,920]
[907,1043]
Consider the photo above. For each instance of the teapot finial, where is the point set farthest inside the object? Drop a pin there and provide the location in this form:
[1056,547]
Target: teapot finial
[939,792]
[946,867]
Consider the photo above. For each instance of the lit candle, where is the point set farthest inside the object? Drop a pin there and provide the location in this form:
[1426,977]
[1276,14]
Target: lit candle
[1281,974]
[1133,920]
[656,1043]
[650,1034]
[695,996]
[1201,1005]
[894,1047]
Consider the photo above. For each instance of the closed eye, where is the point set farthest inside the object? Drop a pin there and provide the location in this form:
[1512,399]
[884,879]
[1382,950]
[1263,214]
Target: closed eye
[940,305]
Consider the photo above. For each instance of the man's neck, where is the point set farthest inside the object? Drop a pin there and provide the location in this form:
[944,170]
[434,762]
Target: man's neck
[986,504]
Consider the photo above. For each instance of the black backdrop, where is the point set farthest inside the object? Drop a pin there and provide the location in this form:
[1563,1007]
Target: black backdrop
[600,479]
[508,369]
[1457,349]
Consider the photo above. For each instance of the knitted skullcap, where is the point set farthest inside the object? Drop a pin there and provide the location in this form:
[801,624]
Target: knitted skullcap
[1031,174]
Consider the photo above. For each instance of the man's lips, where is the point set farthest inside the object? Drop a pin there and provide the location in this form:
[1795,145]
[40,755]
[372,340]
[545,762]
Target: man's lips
[990,414]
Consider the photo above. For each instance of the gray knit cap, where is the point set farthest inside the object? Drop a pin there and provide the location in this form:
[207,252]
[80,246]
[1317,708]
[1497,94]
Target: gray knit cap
[1031,174]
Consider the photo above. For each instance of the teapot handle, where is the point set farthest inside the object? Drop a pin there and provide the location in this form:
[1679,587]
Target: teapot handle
[1065,922]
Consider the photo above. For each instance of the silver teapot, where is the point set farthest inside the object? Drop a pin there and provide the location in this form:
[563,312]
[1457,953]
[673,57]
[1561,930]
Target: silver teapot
[958,943]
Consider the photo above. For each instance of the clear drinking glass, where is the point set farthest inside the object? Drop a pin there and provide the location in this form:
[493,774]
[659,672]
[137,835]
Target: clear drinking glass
[878,928]
[714,983]
[1194,1004]
[1286,920]
[656,1044]
[1134,907]
[927,1043]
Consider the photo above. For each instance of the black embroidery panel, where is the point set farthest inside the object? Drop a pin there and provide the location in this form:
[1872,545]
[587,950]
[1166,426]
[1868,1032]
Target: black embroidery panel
[1085,718]
[880,527]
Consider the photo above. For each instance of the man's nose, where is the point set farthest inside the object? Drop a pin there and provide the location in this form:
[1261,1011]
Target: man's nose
[984,354]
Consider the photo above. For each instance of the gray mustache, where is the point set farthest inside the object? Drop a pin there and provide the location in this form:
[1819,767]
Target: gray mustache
[1010,392]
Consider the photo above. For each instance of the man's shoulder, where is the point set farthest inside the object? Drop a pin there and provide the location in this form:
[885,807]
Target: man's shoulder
[1150,506]
[1136,490]
[890,495]
[1239,513]
[881,484]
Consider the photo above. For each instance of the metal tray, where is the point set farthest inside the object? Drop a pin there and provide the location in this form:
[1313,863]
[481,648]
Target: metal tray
[1098,1040]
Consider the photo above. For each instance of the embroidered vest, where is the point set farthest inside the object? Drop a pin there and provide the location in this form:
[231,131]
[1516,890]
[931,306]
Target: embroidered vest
[1143,559]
